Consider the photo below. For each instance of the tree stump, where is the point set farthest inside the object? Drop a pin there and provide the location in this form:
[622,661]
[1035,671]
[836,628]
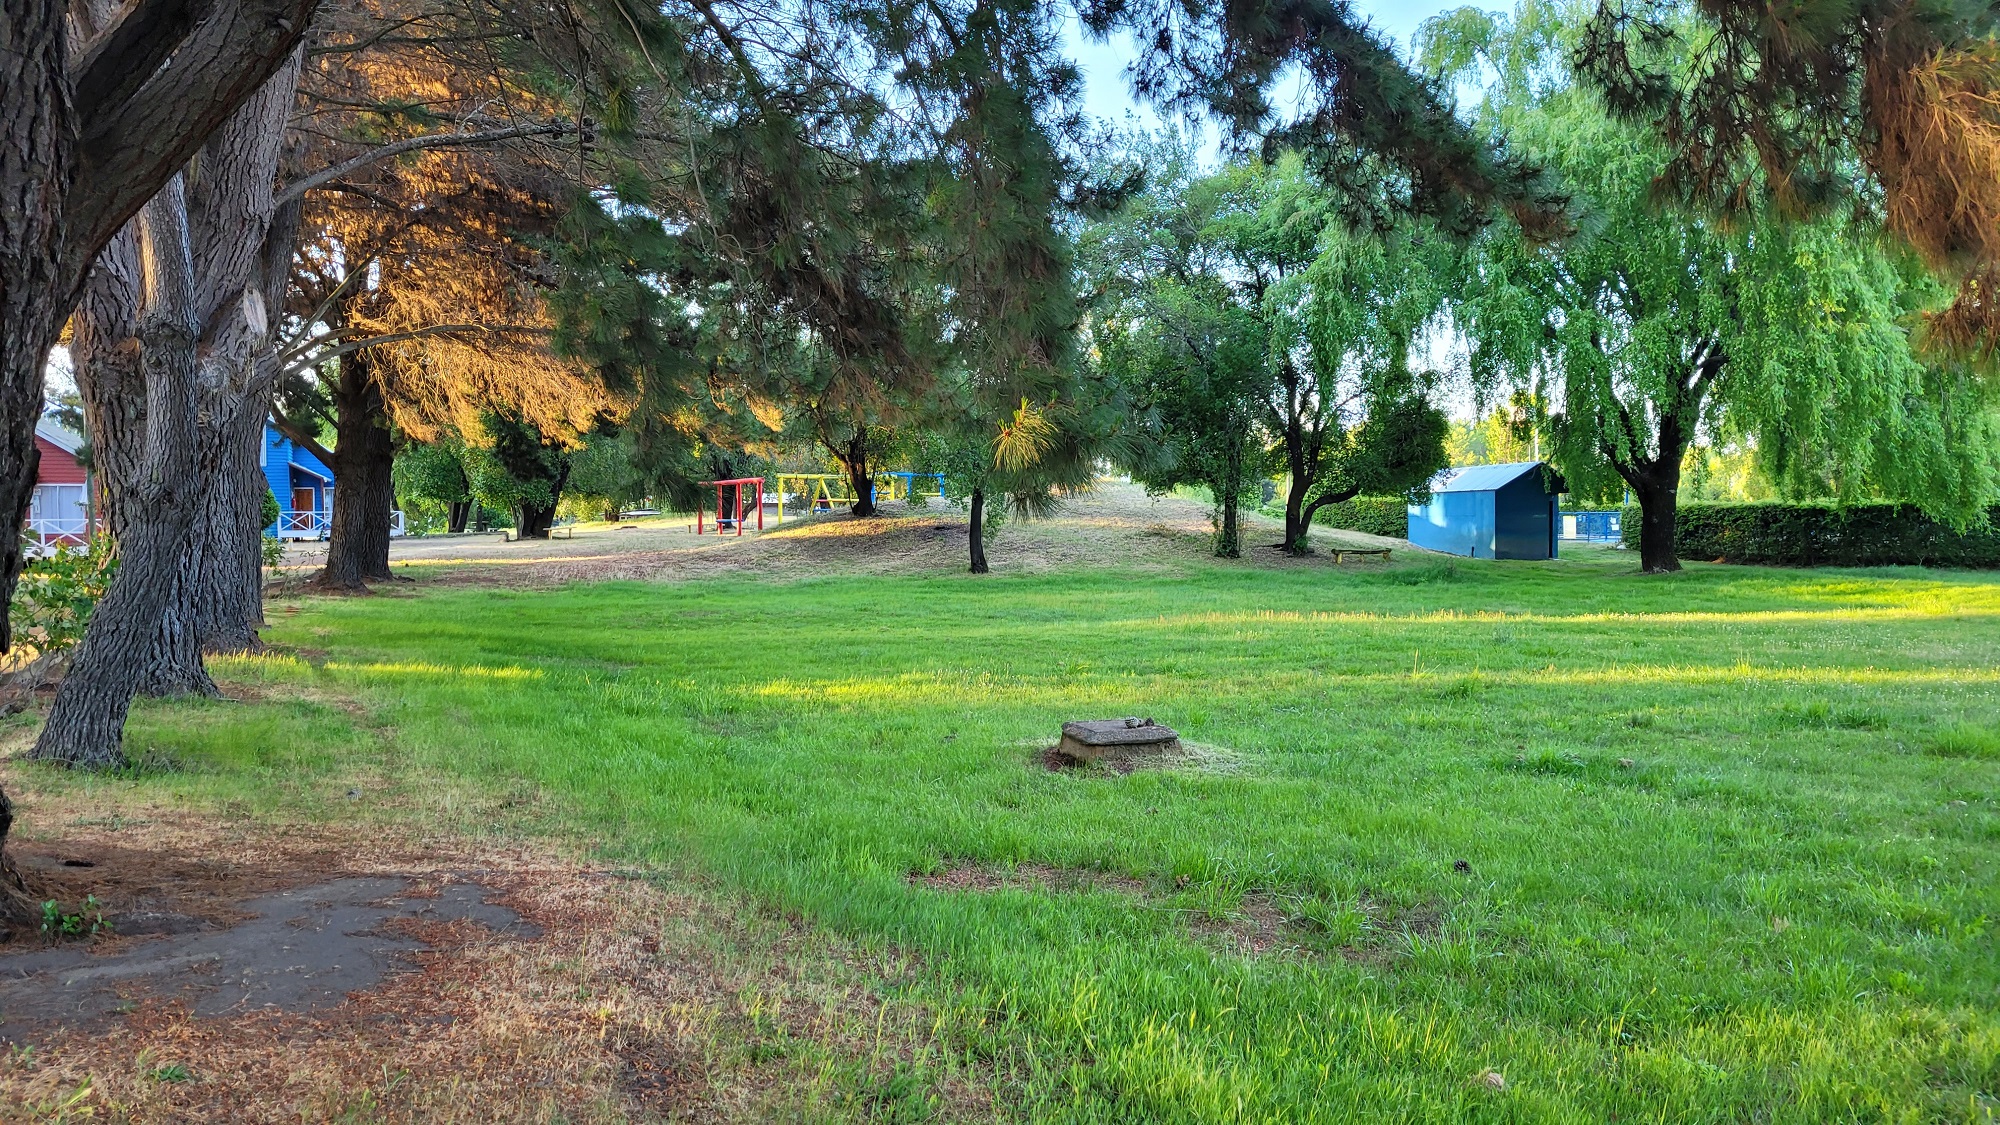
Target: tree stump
[1096,739]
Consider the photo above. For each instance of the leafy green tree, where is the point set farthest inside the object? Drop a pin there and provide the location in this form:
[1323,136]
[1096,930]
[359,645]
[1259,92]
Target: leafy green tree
[1501,436]
[1657,324]
[1189,349]
[1319,316]
[606,473]
[432,475]
[1195,362]
[522,470]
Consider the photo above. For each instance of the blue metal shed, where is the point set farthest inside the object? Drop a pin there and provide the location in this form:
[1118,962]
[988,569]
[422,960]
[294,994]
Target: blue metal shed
[1509,511]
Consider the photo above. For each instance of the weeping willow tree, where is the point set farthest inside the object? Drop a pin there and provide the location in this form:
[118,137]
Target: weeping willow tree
[1660,322]
[1818,105]
[1264,328]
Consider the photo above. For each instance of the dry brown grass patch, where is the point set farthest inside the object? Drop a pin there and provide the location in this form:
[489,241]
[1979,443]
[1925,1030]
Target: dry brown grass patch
[637,1001]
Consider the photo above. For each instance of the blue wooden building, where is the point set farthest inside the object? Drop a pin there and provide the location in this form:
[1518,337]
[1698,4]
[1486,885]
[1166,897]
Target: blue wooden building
[303,485]
[1492,512]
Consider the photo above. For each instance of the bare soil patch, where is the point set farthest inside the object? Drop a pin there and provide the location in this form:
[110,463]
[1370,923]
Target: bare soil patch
[1119,762]
[1116,523]
[324,973]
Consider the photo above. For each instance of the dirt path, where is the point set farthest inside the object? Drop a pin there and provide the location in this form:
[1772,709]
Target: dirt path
[1118,524]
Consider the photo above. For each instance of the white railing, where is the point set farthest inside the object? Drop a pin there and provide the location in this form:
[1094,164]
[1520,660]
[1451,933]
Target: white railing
[304,525]
[46,533]
[319,525]
[48,527]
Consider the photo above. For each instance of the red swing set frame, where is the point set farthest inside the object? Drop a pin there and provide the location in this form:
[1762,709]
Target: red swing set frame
[720,519]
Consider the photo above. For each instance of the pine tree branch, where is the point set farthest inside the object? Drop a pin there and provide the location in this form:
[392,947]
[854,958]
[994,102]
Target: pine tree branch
[302,439]
[296,362]
[298,188]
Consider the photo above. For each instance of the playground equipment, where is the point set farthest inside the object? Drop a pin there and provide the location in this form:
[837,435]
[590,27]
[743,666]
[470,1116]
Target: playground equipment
[825,491]
[815,488]
[902,486]
[722,523]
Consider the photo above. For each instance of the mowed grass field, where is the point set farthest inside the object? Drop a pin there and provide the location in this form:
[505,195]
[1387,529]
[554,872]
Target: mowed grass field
[1463,842]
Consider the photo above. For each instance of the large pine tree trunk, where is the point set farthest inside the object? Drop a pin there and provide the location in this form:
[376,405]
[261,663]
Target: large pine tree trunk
[104,350]
[86,725]
[218,599]
[229,604]
[978,530]
[364,493]
[240,249]
[37,170]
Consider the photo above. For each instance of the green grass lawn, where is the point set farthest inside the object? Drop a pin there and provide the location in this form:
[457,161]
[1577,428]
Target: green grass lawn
[1782,909]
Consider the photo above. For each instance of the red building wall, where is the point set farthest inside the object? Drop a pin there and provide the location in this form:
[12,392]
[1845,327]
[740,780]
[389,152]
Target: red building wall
[57,467]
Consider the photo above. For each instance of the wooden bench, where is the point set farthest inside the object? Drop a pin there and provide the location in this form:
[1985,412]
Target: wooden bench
[1340,553]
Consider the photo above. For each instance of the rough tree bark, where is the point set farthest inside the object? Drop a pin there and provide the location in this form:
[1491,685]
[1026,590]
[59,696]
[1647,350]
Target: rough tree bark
[1228,536]
[364,456]
[87,136]
[104,349]
[1656,480]
[458,515]
[240,249]
[1303,420]
[1658,525]
[1299,513]
[86,724]
[532,521]
[37,173]
[978,530]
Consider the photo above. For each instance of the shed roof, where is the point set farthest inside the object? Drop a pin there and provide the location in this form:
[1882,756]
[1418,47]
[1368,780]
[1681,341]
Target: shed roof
[1482,478]
[59,435]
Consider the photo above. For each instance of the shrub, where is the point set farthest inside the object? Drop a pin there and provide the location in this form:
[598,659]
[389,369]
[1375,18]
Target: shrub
[1376,515]
[52,605]
[1820,534]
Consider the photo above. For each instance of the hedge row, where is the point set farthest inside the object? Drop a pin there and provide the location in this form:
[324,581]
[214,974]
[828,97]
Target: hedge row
[1824,535]
[1376,515]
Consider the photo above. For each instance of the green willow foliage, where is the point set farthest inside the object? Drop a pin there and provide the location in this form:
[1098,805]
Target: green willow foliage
[1657,324]
[1190,350]
[1264,331]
